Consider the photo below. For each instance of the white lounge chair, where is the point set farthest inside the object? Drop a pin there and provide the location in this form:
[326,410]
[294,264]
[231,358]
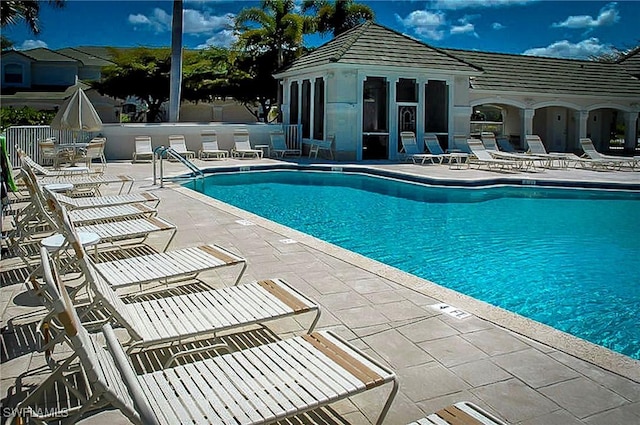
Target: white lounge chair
[411,151]
[80,177]
[243,145]
[93,201]
[143,149]
[210,147]
[179,145]
[257,385]
[434,148]
[197,314]
[536,147]
[279,145]
[94,150]
[611,161]
[161,266]
[481,156]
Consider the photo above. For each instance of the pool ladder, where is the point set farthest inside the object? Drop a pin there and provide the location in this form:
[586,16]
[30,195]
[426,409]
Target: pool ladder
[160,152]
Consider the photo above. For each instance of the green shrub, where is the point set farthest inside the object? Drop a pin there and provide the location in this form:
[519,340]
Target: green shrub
[24,116]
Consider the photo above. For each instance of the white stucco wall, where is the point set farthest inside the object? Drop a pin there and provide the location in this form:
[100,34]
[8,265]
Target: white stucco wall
[120,137]
[17,59]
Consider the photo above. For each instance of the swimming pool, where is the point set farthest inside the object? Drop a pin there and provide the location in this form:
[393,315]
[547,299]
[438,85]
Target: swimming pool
[564,257]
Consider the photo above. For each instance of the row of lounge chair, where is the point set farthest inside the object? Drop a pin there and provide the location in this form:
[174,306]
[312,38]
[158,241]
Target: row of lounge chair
[163,308]
[211,150]
[486,152]
[256,385]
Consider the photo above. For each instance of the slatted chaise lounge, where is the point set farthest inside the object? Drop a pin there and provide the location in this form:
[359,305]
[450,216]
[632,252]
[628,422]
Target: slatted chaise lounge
[611,161]
[178,144]
[210,148]
[196,315]
[411,151]
[258,385]
[143,149]
[80,180]
[162,266]
[482,157]
[433,145]
[243,145]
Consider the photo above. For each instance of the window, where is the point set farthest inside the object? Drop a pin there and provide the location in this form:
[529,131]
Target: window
[293,103]
[436,110]
[13,73]
[406,90]
[318,109]
[306,108]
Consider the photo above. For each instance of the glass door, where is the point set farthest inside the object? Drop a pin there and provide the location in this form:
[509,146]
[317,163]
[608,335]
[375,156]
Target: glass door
[375,119]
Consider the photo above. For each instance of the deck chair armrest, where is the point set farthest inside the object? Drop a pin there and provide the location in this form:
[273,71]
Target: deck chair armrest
[214,347]
[129,377]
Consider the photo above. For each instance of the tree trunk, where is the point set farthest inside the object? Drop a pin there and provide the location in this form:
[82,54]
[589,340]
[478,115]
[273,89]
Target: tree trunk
[176,62]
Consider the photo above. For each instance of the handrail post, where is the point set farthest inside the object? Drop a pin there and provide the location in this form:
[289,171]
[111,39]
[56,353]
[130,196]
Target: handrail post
[154,158]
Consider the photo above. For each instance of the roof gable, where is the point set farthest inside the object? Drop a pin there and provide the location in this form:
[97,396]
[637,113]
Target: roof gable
[42,54]
[374,44]
[631,62]
[87,59]
[520,73]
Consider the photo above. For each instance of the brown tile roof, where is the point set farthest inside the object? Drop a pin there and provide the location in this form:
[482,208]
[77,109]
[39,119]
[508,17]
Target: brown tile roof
[631,62]
[519,73]
[374,44]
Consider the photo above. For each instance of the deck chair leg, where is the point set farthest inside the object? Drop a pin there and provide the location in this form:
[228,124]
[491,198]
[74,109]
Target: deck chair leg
[387,404]
[244,268]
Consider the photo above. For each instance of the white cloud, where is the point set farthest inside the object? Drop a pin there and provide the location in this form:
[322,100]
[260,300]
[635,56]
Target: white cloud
[425,23]
[196,22]
[497,26]
[158,21]
[32,44]
[462,4]
[224,38]
[565,49]
[608,16]
[465,27]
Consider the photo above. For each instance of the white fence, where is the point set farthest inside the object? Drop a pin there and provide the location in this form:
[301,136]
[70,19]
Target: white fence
[26,138]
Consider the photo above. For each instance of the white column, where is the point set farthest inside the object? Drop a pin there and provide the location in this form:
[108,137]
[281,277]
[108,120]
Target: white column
[299,102]
[286,101]
[582,118]
[526,122]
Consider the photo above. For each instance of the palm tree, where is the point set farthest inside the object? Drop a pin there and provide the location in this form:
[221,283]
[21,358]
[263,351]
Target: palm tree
[13,11]
[272,27]
[339,16]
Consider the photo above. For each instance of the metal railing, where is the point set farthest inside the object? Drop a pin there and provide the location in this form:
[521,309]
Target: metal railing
[293,135]
[160,152]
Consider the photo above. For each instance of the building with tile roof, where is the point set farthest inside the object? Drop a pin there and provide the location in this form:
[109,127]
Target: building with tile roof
[370,83]
[41,78]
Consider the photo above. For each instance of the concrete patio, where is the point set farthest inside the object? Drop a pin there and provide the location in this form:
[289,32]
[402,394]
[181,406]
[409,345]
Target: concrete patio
[521,371]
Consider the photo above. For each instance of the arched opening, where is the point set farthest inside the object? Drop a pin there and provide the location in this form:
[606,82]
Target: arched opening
[557,126]
[606,127]
[500,119]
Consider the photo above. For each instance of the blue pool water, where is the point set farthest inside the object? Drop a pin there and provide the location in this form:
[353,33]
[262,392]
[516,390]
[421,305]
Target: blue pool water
[567,258]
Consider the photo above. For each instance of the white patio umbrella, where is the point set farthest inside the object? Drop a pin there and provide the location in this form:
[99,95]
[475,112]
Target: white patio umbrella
[77,114]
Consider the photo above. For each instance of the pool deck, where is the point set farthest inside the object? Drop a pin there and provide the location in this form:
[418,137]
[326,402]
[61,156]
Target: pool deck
[517,369]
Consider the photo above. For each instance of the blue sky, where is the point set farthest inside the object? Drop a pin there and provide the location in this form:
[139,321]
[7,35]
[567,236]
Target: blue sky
[575,29]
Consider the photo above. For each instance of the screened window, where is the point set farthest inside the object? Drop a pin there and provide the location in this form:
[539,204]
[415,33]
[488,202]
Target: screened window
[375,105]
[406,90]
[306,108]
[293,103]
[13,73]
[318,109]
[436,111]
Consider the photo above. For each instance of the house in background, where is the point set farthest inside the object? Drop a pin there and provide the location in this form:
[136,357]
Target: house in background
[370,83]
[41,78]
